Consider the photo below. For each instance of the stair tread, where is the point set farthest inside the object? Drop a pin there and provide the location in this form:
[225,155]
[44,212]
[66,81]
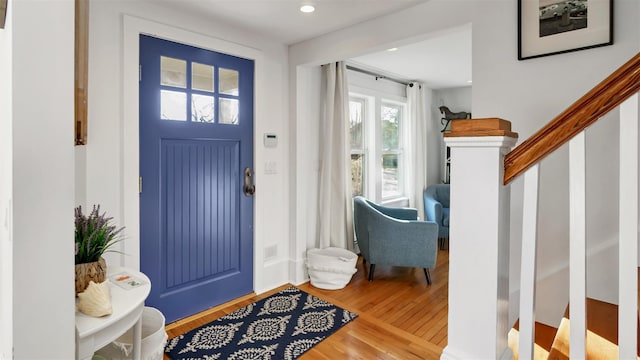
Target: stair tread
[602,334]
[544,335]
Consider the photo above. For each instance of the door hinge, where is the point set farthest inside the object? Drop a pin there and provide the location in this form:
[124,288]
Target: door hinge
[139,73]
[140,184]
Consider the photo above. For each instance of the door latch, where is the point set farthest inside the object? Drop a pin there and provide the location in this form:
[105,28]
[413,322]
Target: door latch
[249,187]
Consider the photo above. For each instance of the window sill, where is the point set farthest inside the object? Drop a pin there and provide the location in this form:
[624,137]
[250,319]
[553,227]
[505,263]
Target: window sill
[402,201]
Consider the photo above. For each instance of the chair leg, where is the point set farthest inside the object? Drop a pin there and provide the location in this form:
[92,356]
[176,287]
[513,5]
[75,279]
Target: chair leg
[372,268]
[426,273]
[443,242]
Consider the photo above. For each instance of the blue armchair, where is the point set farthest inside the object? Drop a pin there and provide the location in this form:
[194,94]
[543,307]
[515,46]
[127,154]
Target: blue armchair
[394,236]
[436,209]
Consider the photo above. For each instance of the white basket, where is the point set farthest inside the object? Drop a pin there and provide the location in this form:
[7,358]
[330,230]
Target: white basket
[154,339]
[331,268]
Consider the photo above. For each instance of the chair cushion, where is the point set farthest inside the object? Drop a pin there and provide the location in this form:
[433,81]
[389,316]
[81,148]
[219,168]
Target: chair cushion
[445,217]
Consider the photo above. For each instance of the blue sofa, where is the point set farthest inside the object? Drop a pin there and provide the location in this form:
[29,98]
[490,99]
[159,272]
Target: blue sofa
[394,236]
[436,209]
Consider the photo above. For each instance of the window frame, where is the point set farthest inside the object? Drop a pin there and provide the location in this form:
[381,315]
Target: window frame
[372,126]
[399,151]
[363,100]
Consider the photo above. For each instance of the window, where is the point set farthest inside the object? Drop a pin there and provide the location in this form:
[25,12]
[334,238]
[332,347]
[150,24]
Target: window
[376,132]
[356,132]
[391,117]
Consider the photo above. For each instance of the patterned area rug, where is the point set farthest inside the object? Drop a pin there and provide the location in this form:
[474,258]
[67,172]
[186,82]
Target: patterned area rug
[281,326]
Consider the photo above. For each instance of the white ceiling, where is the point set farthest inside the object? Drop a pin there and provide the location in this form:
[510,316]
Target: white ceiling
[440,62]
[282,20]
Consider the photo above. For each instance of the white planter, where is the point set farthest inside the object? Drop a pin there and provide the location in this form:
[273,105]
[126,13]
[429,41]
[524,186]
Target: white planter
[331,268]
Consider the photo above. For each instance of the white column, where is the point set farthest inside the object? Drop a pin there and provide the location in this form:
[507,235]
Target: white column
[479,249]
[43,179]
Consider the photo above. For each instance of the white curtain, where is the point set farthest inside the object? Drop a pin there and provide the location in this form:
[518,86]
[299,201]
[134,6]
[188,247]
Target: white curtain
[335,203]
[418,149]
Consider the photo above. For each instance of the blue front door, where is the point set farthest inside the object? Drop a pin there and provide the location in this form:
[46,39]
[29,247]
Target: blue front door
[196,140]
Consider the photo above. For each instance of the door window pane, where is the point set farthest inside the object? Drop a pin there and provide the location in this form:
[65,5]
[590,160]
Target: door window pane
[228,82]
[202,77]
[173,72]
[202,107]
[228,111]
[173,105]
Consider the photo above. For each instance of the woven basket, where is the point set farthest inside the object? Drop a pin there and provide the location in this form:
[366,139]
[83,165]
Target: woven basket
[87,272]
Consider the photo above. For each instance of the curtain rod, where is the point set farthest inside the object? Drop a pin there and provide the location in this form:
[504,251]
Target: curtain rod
[378,76]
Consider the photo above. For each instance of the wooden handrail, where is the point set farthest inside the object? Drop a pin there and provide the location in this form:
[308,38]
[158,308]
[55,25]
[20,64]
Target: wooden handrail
[603,98]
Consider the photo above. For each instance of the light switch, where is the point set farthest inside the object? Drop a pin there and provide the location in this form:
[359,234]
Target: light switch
[271,167]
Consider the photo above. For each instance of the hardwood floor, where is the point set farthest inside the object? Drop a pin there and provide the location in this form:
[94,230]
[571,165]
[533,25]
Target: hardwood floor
[399,315]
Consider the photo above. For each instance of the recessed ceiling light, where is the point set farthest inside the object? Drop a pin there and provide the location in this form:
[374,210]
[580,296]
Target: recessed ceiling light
[469,81]
[392,49]
[307,8]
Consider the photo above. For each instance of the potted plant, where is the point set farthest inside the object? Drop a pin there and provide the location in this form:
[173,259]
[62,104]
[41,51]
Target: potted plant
[95,235]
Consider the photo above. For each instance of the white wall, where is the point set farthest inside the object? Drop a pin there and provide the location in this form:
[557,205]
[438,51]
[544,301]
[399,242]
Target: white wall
[529,93]
[305,166]
[112,152]
[457,100]
[43,178]
[6,190]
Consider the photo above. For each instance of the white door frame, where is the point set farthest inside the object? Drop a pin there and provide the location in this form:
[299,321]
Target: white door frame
[132,28]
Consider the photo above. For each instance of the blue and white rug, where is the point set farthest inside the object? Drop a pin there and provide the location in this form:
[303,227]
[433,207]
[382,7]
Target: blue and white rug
[280,327]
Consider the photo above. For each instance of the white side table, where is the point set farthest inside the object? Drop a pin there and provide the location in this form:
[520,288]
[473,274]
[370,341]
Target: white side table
[94,333]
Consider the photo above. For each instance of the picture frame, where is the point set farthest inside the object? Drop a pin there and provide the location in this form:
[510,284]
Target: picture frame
[550,27]
[81,55]
[3,13]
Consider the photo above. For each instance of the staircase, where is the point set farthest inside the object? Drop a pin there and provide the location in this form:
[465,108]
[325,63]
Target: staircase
[483,167]
[596,324]
[545,336]
[601,341]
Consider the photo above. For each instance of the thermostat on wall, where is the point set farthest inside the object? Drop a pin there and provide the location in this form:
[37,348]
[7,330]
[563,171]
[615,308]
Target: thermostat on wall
[270,140]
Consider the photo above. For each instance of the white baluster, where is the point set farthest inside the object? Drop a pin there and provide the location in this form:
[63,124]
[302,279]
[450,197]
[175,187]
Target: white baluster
[628,247]
[577,247]
[528,264]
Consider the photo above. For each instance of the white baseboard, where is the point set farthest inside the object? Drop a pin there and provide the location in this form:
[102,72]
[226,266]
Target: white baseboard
[453,354]
[272,275]
[298,271]
[279,272]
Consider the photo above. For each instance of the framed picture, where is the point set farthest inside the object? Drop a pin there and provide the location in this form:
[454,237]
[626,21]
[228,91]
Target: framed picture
[549,27]
[3,13]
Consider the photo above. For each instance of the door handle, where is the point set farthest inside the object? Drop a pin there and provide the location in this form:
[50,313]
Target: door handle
[249,188]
